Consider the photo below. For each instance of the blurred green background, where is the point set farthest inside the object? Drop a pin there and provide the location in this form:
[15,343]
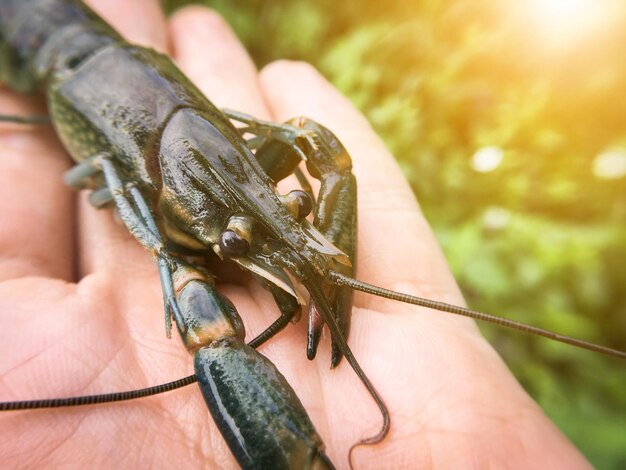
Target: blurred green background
[508,119]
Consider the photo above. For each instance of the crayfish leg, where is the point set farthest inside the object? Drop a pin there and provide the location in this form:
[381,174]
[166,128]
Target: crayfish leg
[290,310]
[86,174]
[136,215]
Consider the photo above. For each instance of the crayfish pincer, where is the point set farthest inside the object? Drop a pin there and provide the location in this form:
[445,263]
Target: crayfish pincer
[260,416]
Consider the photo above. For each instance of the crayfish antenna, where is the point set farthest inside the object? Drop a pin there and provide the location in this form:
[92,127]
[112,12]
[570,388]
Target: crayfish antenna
[96,399]
[342,280]
[324,309]
[34,119]
[369,441]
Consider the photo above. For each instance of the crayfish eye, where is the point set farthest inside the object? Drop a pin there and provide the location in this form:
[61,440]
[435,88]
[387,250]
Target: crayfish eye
[298,203]
[233,245]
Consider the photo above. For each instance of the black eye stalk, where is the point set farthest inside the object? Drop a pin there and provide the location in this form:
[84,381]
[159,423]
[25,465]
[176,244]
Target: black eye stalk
[232,245]
[235,240]
[298,203]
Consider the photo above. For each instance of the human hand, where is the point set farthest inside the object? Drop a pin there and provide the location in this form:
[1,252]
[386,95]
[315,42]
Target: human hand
[82,308]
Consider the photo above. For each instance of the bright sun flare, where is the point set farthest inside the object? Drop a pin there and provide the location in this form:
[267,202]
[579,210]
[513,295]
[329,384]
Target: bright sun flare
[565,20]
[567,8]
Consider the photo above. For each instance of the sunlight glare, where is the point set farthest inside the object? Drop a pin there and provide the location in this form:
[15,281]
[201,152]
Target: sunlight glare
[565,20]
[610,164]
[487,159]
[496,218]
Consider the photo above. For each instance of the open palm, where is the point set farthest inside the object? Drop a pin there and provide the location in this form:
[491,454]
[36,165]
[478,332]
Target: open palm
[81,306]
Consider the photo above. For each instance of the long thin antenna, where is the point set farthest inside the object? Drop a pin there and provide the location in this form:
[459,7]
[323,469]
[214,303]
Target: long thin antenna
[322,304]
[343,280]
[96,399]
[35,119]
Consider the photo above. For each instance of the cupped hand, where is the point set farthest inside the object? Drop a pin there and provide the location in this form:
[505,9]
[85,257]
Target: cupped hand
[81,305]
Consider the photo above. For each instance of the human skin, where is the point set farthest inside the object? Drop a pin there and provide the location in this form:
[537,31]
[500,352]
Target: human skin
[81,306]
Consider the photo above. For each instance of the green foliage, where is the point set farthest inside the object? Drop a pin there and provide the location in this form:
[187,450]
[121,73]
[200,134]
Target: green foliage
[540,238]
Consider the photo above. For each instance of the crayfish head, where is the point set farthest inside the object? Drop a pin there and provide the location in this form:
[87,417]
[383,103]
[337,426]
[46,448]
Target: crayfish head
[304,255]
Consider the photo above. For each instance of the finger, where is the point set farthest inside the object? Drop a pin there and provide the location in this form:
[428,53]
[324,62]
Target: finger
[396,249]
[209,53]
[226,75]
[36,209]
[141,22]
[106,247]
[103,241]
[224,72]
